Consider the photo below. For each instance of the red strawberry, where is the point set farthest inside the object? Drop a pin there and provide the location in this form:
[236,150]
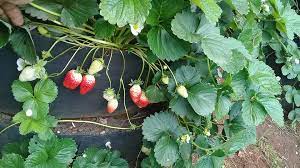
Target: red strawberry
[72,79]
[112,105]
[135,92]
[143,102]
[87,84]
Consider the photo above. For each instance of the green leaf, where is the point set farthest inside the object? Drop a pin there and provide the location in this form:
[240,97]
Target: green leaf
[166,151]
[49,5]
[5,31]
[45,91]
[22,91]
[23,45]
[51,153]
[77,12]
[210,8]
[93,158]
[39,109]
[41,126]
[12,161]
[294,115]
[241,6]
[253,113]
[263,78]
[251,35]
[210,162]
[180,106]
[187,26]
[292,22]
[103,29]
[150,162]
[20,148]
[159,124]
[187,75]
[273,108]
[222,107]
[154,94]
[203,99]
[122,12]
[165,45]
[238,85]
[164,9]
[255,5]
[239,140]
[185,150]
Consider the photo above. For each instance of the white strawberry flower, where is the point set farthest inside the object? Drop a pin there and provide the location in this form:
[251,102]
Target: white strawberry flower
[136,28]
[21,63]
[28,113]
[297,61]
[28,74]
[278,78]
[266,8]
[185,138]
[108,144]
[84,155]
[206,132]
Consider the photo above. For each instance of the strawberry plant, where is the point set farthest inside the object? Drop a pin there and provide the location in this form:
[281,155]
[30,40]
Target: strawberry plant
[206,62]
[57,152]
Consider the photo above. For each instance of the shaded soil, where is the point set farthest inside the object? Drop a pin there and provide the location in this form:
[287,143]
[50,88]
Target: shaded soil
[275,148]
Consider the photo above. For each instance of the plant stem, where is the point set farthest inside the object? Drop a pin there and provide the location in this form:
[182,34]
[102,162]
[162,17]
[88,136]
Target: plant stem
[86,57]
[124,103]
[209,71]
[176,83]
[44,9]
[58,74]
[95,123]
[62,53]
[123,70]
[6,128]
[107,68]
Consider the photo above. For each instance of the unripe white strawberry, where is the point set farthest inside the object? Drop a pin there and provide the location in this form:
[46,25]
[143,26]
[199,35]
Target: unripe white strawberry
[109,94]
[112,105]
[146,150]
[182,91]
[165,79]
[28,74]
[96,66]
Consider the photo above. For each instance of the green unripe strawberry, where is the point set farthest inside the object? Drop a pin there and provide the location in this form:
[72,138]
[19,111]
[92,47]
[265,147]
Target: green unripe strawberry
[96,66]
[165,79]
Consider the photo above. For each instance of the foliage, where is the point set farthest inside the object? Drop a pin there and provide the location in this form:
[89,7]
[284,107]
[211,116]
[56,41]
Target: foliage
[57,152]
[216,51]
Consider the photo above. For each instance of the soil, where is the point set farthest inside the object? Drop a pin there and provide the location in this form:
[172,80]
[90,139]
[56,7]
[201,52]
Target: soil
[275,148]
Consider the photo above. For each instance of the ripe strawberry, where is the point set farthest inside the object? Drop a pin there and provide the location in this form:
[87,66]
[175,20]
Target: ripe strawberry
[143,101]
[135,92]
[109,94]
[96,66]
[72,79]
[182,91]
[112,105]
[87,84]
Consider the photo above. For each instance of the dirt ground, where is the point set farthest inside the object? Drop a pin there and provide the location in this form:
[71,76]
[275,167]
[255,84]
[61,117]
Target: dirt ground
[275,148]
